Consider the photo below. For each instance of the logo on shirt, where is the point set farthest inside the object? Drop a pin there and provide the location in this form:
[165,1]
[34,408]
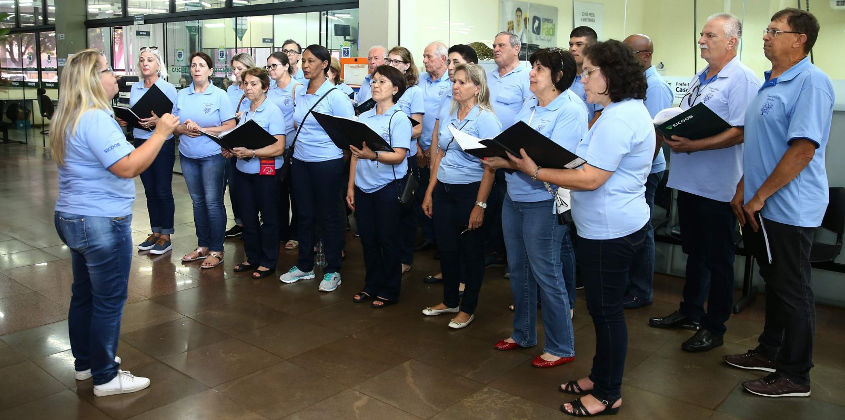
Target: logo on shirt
[768,105]
[110,148]
[207,107]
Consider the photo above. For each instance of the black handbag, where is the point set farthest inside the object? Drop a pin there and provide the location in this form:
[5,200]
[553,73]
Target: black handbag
[406,197]
[288,154]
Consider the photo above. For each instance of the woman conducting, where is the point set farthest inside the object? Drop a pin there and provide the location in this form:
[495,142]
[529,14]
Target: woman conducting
[94,213]
[235,92]
[203,107]
[457,196]
[376,181]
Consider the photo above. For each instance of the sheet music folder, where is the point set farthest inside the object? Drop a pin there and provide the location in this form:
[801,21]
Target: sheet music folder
[153,101]
[540,148]
[345,132]
[248,134]
[695,123]
[757,243]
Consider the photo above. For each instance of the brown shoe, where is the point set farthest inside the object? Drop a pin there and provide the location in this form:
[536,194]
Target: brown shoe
[774,385]
[752,360]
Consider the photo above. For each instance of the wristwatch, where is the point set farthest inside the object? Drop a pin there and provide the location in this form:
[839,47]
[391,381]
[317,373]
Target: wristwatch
[481,204]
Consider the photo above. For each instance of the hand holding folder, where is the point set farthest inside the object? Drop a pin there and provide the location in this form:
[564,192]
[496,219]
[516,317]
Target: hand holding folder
[249,135]
[695,123]
[345,132]
[154,102]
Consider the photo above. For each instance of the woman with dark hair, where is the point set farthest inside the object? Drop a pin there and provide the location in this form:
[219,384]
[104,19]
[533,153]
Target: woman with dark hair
[376,181]
[317,171]
[204,108]
[533,233]
[609,210]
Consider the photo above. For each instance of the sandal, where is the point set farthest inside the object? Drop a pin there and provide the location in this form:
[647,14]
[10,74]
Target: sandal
[406,270]
[380,302]
[244,266]
[291,244]
[260,274]
[361,296]
[579,410]
[195,255]
[572,387]
[212,254]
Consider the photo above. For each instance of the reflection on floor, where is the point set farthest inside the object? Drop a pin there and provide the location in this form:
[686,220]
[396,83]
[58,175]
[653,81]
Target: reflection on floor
[219,345]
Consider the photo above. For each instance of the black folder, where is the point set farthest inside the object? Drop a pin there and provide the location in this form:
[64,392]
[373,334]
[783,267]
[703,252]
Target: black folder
[153,101]
[757,243]
[345,132]
[248,134]
[370,104]
[695,123]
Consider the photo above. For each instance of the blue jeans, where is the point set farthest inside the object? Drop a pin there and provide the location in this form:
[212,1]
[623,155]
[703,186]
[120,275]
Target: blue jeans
[158,187]
[101,252]
[377,214]
[258,194]
[318,187]
[567,262]
[641,279]
[206,180]
[532,237]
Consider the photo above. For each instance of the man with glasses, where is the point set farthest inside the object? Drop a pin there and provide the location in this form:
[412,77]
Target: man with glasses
[292,49]
[705,173]
[580,38]
[375,58]
[786,132]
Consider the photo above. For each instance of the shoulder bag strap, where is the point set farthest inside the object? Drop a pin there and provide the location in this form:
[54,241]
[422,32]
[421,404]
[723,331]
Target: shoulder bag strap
[298,129]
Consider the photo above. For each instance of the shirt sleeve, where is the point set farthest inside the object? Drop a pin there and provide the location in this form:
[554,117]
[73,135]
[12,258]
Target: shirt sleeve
[400,131]
[812,113]
[417,103]
[740,95]
[104,137]
[226,110]
[278,123]
[170,91]
[609,143]
[340,104]
[569,127]
[656,97]
[526,88]
[488,125]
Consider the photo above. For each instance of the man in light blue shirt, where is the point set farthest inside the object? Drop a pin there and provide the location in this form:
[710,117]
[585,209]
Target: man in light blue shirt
[509,83]
[375,58]
[294,52]
[580,38]
[705,173]
[786,132]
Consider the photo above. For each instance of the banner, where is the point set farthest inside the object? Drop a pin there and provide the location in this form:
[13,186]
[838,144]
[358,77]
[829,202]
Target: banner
[535,24]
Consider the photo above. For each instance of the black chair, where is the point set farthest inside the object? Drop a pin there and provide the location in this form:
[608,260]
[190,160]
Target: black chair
[834,221]
[46,106]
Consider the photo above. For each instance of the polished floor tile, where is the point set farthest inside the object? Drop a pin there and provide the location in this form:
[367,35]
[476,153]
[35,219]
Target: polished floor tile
[221,362]
[351,404]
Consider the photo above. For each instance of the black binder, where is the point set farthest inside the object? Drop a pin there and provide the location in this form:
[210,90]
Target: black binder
[345,132]
[153,101]
[695,123]
[757,243]
[248,134]
[540,148]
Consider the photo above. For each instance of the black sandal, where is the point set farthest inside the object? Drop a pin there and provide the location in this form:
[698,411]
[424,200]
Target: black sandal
[244,266]
[361,296]
[572,387]
[260,274]
[380,302]
[579,410]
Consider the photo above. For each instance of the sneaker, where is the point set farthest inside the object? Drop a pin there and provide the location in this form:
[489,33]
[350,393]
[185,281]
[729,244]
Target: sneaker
[123,383]
[148,243]
[82,375]
[161,246]
[774,385]
[295,274]
[235,232]
[330,282]
[752,360]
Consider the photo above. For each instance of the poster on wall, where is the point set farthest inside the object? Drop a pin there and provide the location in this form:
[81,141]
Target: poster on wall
[534,24]
[588,14]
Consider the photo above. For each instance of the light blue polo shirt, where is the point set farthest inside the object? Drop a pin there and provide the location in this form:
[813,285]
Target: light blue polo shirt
[269,117]
[433,93]
[508,93]
[562,120]
[313,144]
[658,97]
[714,173]
[365,91]
[578,88]
[283,99]
[300,76]
[208,109]
[372,176]
[458,167]
[621,141]
[343,87]
[411,103]
[86,186]
[796,105]
[235,94]
[137,92]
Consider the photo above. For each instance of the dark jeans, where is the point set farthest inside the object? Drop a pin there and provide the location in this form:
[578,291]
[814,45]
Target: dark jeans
[708,233]
[495,241]
[158,187]
[288,216]
[605,267]
[256,194]
[408,217]
[567,263]
[101,253]
[641,280]
[461,254]
[318,187]
[377,215]
[427,225]
[790,307]
[230,172]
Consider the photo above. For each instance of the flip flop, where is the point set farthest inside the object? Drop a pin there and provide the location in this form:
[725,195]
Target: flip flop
[244,266]
[380,302]
[260,274]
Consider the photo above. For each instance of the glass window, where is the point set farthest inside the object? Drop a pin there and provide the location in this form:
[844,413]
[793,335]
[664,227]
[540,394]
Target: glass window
[118,51]
[49,72]
[102,9]
[188,5]
[51,12]
[30,12]
[253,2]
[182,41]
[29,59]
[147,7]
[11,60]
[343,32]
[137,36]
[8,8]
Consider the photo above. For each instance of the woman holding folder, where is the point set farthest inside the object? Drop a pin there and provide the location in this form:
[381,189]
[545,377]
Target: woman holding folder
[457,196]
[239,63]
[375,185]
[533,233]
[255,180]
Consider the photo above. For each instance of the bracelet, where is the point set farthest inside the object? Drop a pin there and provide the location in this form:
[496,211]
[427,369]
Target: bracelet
[253,153]
[375,157]
[536,171]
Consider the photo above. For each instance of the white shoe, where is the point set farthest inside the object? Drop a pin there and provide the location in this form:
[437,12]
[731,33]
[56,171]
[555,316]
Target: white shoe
[123,383]
[295,274]
[458,325]
[82,375]
[427,311]
[330,282]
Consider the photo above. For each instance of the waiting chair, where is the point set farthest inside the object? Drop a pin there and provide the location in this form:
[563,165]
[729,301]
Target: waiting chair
[46,106]
[834,221]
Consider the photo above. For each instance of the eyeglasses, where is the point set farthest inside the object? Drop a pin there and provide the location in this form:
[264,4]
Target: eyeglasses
[776,32]
[107,70]
[272,66]
[290,52]
[642,51]
[586,73]
[390,61]
[149,48]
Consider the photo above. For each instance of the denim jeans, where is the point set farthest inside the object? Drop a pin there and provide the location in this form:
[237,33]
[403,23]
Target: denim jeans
[532,237]
[605,267]
[567,263]
[101,252]
[256,194]
[377,215]
[318,187]
[230,173]
[206,181]
[158,187]
[641,280]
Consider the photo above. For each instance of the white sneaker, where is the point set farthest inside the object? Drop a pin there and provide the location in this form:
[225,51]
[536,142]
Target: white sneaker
[123,383]
[330,282]
[295,274]
[82,375]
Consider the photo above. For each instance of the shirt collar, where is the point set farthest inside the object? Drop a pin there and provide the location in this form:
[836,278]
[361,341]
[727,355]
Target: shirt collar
[207,90]
[555,104]
[789,74]
[471,116]
[445,76]
[726,71]
[651,71]
[516,69]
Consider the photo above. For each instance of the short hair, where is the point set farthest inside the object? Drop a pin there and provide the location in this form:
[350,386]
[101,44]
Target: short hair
[162,68]
[733,26]
[260,73]
[440,48]
[334,64]
[395,76]
[290,41]
[244,59]
[514,40]
[282,58]
[478,77]
[801,22]
[467,53]
[204,57]
[559,62]
[412,75]
[321,53]
[377,47]
[620,68]
[586,32]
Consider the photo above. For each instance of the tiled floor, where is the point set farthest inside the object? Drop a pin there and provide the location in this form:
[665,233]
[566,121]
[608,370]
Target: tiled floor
[220,345]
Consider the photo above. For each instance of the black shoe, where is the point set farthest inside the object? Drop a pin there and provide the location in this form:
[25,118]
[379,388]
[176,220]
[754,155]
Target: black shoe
[579,285]
[703,340]
[235,232]
[432,280]
[674,320]
[425,246]
[633,302]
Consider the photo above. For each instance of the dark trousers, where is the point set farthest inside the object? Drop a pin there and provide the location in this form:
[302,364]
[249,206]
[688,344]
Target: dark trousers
[256,194]
[641,280]
[426,224]
[158,187]
[461,254]
[318,187]
[708,233]
[377,215]
[495,241]
[605,267]
[408,217]
[287,203]
[790,307]
[230,173]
